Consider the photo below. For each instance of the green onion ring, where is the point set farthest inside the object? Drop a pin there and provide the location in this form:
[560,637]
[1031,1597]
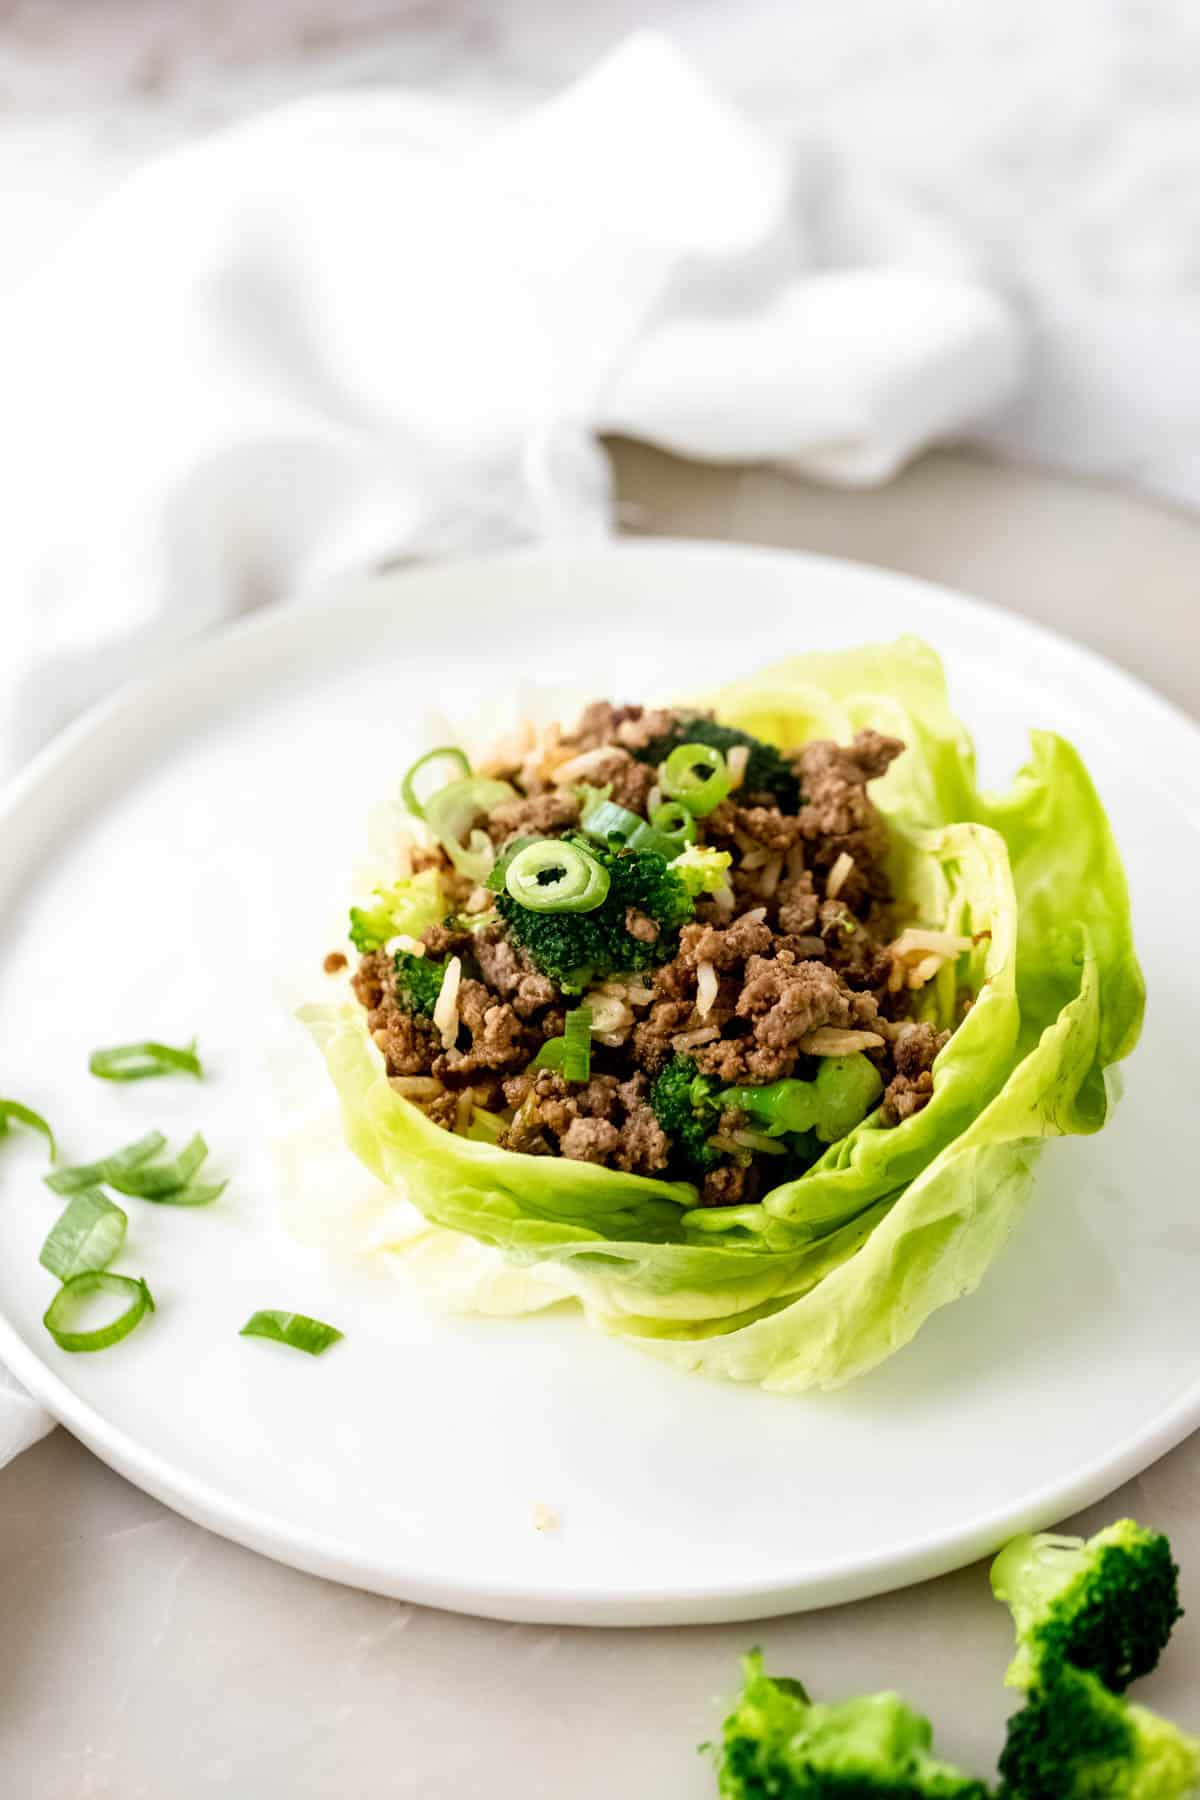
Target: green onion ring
[609,823]
[58,1315]
[25,1115]
[673,821]
[452,812]
[577,1045]
[698,776]
[142,1062]
[69,1181]
[552,876]
[294,1329]
[87,1236]
[160,1181]
[444,752]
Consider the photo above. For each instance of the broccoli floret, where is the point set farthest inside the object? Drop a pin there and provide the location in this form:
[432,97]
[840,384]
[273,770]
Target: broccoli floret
[418,982]
[575,949]
[1106,1605]
[1074,1740]
[766,770]
[778,1745]
[685,1104]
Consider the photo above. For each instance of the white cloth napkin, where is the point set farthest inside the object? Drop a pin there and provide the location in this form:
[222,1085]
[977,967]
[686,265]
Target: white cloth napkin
[361,328]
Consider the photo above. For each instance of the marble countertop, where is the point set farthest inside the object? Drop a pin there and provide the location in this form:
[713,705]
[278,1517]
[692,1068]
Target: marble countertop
[144,1658]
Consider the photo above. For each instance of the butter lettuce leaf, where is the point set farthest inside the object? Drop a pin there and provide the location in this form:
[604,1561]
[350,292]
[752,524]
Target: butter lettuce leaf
[832,1272]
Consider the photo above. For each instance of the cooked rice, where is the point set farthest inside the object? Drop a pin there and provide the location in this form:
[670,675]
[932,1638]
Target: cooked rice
[707,988]
[445,1012]
[611,1015]
[828,1040]
[578,768]
[416,1087]
[769,880]
[758,1140]
[917,941]
[838,875]
[925,970]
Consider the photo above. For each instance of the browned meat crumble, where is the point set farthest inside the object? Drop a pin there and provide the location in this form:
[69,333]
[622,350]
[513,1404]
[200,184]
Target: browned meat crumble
[798,946]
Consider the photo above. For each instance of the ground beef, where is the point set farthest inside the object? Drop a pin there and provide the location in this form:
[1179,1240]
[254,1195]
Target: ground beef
[603,1120]
[765,826]
[599,724]
[784,998]
[798,906]
[629,782]
[838,816]
[334,963]
[448,940]
[589,1140]
[788,959]
[731,1185]
[640,926]
[914,1051]
[372,979]
[408,1040]
[723,947]
[543,815]
[652,1035]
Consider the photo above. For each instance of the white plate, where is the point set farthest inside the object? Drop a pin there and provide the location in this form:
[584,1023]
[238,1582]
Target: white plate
[170,856]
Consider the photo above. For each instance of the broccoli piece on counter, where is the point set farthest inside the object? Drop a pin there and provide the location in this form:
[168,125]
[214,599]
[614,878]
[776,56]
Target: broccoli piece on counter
[1106,1605]
[778,1745]
[577,948]
[685,1104]
[418,982]
[1073,1740]
[766,770]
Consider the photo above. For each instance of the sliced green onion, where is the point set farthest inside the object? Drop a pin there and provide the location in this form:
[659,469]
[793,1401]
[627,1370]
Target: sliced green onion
[444,753]
[142,1062]
[193,1194]
[63,1311]
[25,1115]
[607,822]
[87,1236]
[453,813]
[69,1181]
[551,1054]
[159,1181]
[294,1329]
[675,823]
[577,1045]
[697,776]
[553,876]
[602,819]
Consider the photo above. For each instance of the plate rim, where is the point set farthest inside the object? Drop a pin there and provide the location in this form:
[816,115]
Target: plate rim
[195,661]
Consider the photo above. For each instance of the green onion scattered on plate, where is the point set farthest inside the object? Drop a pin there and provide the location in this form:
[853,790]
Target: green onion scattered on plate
[63,1314]
[87,1236]
[131,1170]
[11,1110]
[144,1061]
[295,1329]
